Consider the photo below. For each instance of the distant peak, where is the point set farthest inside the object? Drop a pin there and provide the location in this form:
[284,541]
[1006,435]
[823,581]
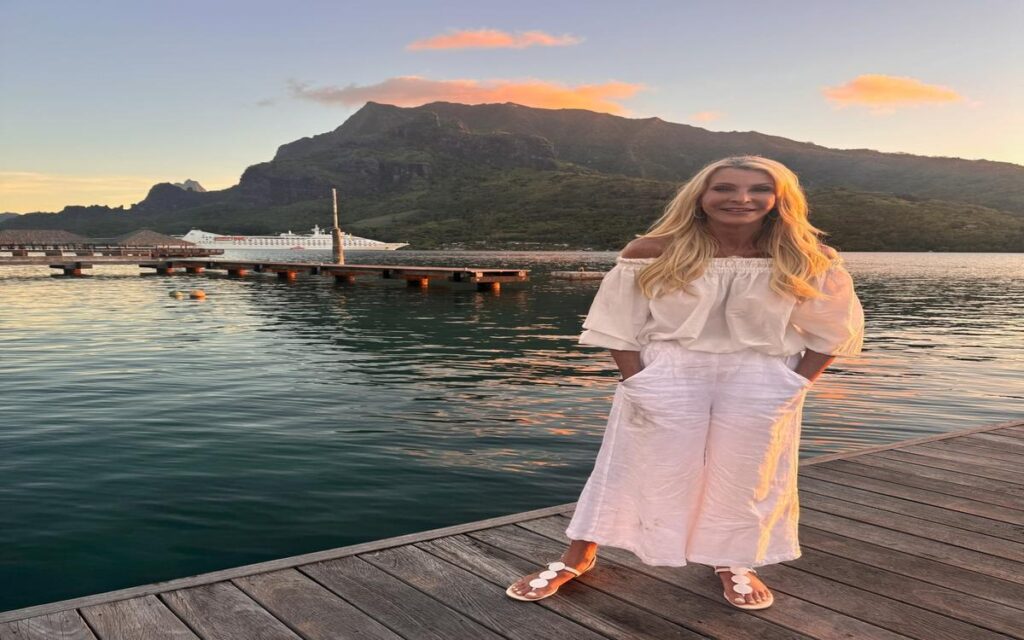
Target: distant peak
[190,185]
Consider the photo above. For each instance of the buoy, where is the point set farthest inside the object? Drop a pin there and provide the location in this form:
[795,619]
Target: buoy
[178,294]
[198,294]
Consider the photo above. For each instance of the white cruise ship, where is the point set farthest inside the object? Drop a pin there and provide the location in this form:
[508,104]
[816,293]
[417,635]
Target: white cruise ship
[319,240]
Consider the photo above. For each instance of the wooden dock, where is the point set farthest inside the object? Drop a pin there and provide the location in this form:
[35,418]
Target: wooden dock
[415,276]
[919,539]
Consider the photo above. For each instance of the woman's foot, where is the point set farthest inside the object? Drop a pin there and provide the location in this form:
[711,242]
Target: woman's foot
[522,586]
[759,594]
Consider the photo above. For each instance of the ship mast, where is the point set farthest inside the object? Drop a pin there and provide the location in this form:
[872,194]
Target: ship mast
[336,238]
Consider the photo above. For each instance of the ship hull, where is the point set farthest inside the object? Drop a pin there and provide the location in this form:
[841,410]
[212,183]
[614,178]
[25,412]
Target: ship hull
[285,242]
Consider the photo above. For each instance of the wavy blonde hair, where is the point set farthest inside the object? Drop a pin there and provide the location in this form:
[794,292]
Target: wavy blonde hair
[794,245]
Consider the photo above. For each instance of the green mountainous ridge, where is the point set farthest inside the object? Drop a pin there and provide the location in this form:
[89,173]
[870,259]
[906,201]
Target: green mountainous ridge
[509,176]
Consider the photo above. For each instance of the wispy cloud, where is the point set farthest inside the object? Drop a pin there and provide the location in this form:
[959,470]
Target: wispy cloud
[410,91]
[706,116]
[491,39]
[883,94]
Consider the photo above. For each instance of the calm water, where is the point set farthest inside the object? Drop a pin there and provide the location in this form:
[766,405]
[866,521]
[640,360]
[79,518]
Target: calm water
[144,438]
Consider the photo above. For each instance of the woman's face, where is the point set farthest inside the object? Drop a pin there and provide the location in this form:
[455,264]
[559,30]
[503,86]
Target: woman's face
[738,196]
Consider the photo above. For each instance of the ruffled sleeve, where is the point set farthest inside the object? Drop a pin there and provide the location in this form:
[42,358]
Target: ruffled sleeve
[832,325]
[620,309]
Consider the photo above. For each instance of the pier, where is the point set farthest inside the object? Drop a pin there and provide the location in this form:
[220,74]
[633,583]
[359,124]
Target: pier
[918,539]
[414,276]
[73,255]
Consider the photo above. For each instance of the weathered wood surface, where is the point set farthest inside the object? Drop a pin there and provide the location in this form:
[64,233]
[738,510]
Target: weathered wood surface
[917,539]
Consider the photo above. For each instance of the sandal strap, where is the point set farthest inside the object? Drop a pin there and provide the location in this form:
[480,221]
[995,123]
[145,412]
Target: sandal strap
[561,566]
[740,570]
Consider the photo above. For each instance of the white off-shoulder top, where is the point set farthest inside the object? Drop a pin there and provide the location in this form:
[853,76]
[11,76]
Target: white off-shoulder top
[730,308]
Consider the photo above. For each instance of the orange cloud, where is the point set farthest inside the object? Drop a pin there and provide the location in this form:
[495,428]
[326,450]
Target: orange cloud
[492,39]
[884,93]
[706,116]
[412,91]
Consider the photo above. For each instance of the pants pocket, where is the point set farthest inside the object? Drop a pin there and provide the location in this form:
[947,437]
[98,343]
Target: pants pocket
[789,372]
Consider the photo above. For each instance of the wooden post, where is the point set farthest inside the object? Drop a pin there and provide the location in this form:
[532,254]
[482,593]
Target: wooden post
[337,238]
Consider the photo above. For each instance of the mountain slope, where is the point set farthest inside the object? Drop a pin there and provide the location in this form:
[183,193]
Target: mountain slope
[504,173]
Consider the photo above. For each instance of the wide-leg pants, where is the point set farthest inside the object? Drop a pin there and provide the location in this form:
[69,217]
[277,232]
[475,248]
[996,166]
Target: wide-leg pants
[699,460]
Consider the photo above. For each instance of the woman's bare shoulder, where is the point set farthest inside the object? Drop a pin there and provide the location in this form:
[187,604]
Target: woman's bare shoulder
[645,248]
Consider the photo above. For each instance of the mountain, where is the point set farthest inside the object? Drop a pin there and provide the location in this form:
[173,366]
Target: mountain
[5,216]
[501,174]
[190,185]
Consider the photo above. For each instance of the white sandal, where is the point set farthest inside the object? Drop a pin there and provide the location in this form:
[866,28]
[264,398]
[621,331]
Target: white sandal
[545,577]
[741,584]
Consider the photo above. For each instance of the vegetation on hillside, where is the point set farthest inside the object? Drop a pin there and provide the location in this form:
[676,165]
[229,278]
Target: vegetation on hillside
[505,176]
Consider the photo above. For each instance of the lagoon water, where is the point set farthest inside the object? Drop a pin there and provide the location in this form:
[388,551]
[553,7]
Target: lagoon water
[144,438]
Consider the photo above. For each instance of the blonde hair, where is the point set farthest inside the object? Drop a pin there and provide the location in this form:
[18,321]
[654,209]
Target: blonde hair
[787,237]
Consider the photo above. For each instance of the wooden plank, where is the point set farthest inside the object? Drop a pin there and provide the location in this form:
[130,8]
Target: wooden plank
[472,596]
[1007,441]
[985,487]
[889,487]
[936,462]
[401,607]
[274,565]
[969,448]
[916,509]
[882,611]
[700,592]
[969,609]
[984,461]
[1013,432]
[145,618]
[916,545]
[1006,549]
[592,608]
[914,567]
[997,438]
[61,625]
[845,455]
[311,609]
[222,611]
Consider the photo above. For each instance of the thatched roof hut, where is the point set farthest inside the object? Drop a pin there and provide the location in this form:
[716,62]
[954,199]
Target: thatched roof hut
[61,238]
[39,237]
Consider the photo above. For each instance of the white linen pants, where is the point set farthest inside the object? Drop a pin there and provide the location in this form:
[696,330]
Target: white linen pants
[699,460]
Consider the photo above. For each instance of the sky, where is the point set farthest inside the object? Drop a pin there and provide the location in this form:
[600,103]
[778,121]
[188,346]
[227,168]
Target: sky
[100,100]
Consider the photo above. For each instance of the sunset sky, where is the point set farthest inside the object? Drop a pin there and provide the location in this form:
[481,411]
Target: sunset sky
[101,100]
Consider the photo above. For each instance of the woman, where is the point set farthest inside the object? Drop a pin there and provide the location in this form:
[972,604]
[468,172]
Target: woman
[719,320]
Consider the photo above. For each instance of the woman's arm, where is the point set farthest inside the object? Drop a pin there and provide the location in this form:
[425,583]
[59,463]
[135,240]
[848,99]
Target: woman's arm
[628,362]
[813,364]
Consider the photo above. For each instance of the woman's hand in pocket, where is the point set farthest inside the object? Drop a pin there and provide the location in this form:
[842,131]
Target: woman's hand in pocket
[628,362]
